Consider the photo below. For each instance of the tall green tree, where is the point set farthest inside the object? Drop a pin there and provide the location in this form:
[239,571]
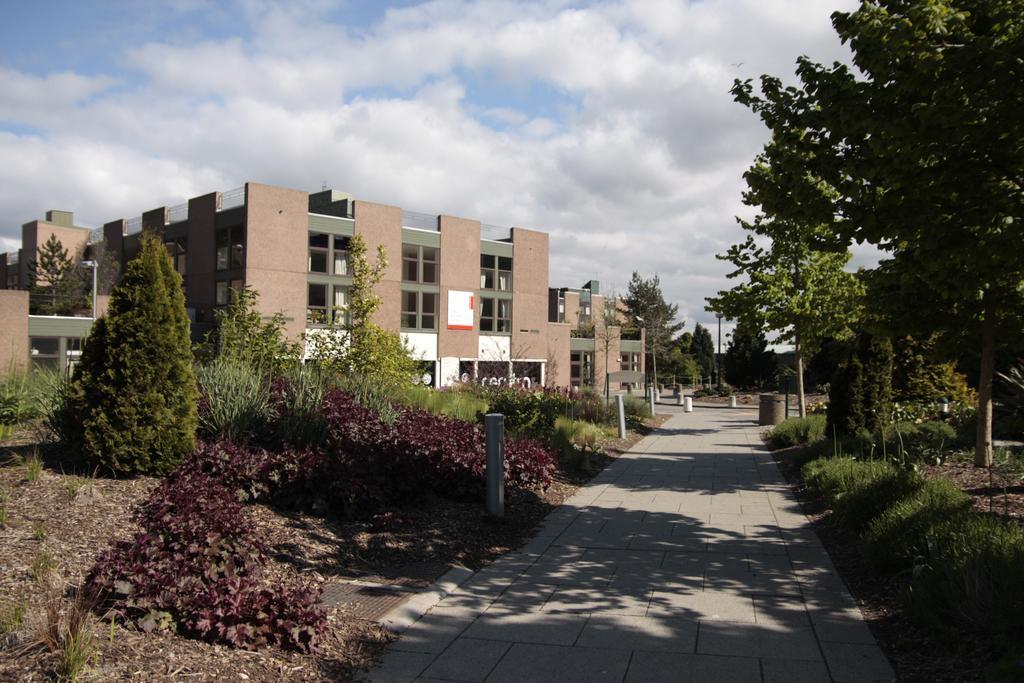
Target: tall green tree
[54,286]
[134,394]
[919,143]
[748,361]
[646,304]
[703,350]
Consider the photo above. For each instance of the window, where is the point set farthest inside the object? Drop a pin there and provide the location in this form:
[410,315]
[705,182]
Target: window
[561,308]
[495,272]
[419,310]
[419,264]
[177,249]
[223,291]
[630,362]
[341,255]
[316,305]
[495,315]
[342,315]
[318,248]
[230,248]
[581,368]
[45,353]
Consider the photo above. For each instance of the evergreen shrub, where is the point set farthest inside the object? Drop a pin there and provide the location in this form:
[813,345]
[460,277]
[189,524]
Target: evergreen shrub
[134,394]
[797,431]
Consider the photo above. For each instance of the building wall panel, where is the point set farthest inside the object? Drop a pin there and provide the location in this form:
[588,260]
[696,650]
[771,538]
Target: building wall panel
[381,225]
[460,271]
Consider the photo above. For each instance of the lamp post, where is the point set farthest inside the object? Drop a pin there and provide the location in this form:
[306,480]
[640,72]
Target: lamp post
[94,265]
[718,357]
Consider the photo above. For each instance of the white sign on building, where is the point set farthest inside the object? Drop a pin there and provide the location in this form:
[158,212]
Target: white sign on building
[460,310]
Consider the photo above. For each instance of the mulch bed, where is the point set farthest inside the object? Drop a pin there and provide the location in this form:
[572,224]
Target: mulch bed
[408,547]
[999,490]
[915,654]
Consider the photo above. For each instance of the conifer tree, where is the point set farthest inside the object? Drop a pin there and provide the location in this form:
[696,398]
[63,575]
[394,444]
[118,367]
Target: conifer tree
[134,391]
[52,280]
[703,350]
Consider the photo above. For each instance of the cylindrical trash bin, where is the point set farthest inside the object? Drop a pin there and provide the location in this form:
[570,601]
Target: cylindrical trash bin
[688,404]
[772,409]
[732,401]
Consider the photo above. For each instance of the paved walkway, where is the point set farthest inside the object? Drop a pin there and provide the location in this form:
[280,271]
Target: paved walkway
[687,559]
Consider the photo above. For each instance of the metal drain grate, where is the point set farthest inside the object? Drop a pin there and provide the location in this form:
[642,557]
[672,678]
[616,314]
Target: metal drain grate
[362,600]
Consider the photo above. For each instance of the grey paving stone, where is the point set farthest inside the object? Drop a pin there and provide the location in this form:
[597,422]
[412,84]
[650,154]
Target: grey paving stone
[655,634]
[855,662]
[528,627]
[632,600]
[663,667]
[841,627]
[467,659]
[794,671]
[711,605]
[754,640]
[532,662]
[399,667]
[435,630]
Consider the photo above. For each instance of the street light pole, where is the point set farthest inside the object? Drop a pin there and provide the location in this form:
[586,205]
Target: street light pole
[718,357]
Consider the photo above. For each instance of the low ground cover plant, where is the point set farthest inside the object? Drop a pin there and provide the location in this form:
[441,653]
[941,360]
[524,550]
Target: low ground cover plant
[857,491]
[797,431]
[195,567]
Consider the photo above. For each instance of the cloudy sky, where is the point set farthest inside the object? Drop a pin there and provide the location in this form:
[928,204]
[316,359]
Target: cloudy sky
[607,124]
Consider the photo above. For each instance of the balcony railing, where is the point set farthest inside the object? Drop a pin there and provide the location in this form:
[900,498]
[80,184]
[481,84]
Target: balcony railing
[133,225]
[232,198]
[178,213]
[420,221]
[495,233]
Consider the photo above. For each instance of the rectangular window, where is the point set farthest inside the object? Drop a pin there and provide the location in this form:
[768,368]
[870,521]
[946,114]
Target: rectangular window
[318,252]
[316,304]
[629,362]
[419,264]
[341,255]
[419,310]
[495,272]
[495,315]
[342,315]
[581,368]
[230,244]
[45,353]
[177,250]
[223,291]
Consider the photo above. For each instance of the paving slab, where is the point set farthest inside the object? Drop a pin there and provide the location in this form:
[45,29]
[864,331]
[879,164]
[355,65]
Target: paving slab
[687,559]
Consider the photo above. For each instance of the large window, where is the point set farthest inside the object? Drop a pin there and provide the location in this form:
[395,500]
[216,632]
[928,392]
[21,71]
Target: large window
[230,248]
[630,361]
[495,315]
[223,291]
[45,353]
[327,303]
[419,264]
[341,255]
[581,368]
[319,248]
[341,313]
[316,304]
[419,310]
[177,250]
[496,272]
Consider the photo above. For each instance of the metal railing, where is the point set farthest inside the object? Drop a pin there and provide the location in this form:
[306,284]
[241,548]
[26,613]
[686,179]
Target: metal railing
[420,221]
[495,233]
[12,259]
[178,213]
[232,198]
[133,225]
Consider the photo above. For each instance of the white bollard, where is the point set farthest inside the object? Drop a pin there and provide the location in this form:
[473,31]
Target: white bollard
[688,404]
[679,399]
[732,401]
[651,397]
[622,415]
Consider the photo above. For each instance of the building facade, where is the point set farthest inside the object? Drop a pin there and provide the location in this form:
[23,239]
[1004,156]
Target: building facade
[471,300]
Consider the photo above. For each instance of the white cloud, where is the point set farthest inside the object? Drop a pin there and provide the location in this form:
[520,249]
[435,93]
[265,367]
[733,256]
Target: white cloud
[636,167]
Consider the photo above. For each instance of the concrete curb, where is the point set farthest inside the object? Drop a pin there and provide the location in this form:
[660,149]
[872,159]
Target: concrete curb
[409,612]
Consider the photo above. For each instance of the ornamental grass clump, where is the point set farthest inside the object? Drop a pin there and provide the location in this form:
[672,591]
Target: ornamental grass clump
[857,491]
[797,431]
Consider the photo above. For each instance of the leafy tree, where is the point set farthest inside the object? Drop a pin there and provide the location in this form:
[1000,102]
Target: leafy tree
[53,282]
[703,349]
[608,328]
[918,144]
[919,375]
[645,303]
[680,364]
[748,362]
[134,394]
[243,336]
[371,357]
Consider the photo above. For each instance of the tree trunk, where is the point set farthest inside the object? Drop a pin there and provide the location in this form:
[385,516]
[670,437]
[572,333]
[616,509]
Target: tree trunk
[983,444]
[801,407]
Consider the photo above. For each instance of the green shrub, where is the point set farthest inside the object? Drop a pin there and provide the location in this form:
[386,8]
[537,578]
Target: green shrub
[857,491]
[634,406]
[528,413]
[297,400]
[461,405]
[235,399]
[970,574]
[896,537]
[24,396]
[797,431]
[135,392]
[860,393]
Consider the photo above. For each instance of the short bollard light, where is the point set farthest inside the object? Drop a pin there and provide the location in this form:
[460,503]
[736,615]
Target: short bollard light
[732,401]
[494,427]
[688,404]
[650,397]
[622,415]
